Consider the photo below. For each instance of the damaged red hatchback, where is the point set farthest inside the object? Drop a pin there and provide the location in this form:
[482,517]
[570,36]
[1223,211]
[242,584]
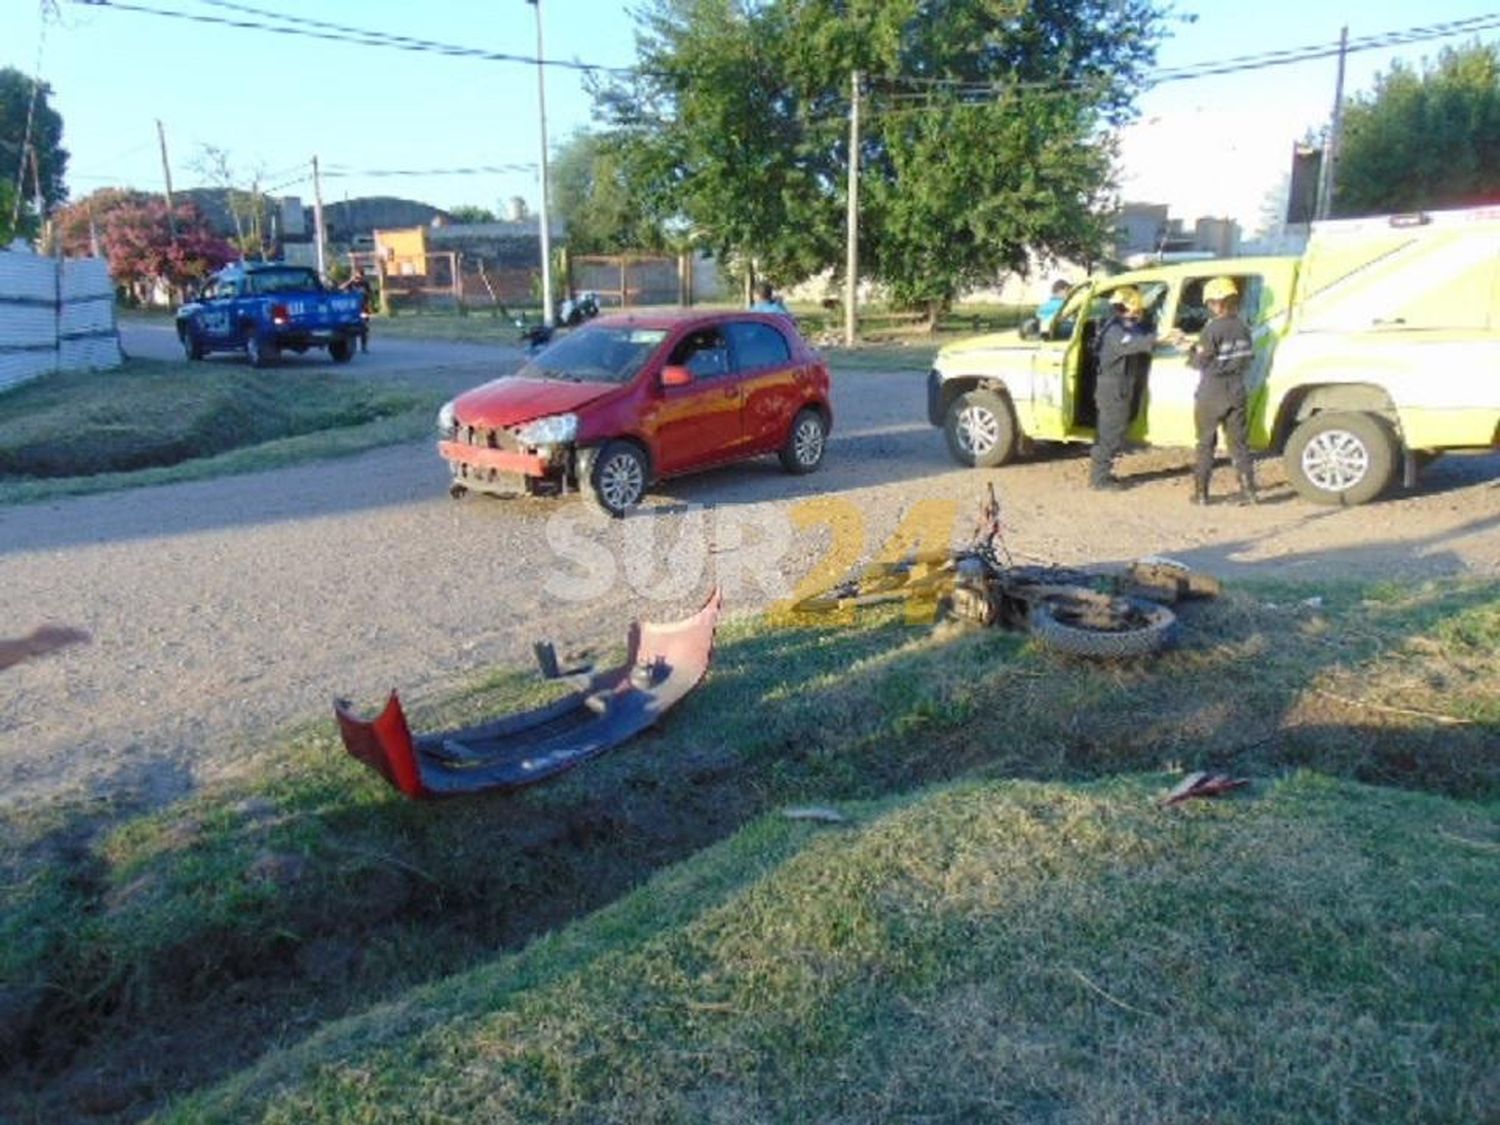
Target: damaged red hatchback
[626,400]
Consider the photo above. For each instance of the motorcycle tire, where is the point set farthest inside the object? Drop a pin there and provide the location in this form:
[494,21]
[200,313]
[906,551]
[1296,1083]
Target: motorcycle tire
[1100,627]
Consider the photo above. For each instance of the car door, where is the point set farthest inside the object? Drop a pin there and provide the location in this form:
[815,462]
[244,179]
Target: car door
[700,423]
[1057,378]
[213,322]
[1172,384]
[770,393]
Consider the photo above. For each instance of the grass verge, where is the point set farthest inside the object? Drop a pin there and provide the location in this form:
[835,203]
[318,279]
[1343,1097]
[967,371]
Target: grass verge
[1037,948]
[150,423]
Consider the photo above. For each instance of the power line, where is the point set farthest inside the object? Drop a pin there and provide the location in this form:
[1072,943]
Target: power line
[299,27]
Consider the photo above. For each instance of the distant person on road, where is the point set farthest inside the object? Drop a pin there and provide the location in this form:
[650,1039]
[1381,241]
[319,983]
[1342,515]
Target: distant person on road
[1047,311]
[359,283]
[1125,346]
[1222,357]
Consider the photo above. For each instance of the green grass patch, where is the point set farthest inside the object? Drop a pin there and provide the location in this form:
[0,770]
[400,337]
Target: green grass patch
[999,951]
[149,422]
[1040,940]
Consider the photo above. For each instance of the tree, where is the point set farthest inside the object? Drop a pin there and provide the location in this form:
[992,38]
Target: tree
[130,228]
[596,195]
[1423,140]
[469,213]
[985,136]
[248,210]
[45,140]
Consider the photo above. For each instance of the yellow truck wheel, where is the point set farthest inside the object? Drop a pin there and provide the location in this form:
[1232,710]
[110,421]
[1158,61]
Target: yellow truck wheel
[1342,458]
[981,430]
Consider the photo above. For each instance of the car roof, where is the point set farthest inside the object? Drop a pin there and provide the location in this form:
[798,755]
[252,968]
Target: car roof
[256,267]
[683,318]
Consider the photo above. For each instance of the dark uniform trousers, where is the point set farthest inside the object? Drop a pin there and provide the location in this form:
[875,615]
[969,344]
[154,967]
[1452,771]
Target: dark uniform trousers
[1112,397]
[1221,401]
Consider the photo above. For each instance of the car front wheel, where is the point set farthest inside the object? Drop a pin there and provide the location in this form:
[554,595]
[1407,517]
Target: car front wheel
[192,347]
[980,429]
[619,477]
[805,443]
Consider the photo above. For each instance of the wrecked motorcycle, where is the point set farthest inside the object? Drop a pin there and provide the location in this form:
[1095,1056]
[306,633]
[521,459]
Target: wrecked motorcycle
[1072,611]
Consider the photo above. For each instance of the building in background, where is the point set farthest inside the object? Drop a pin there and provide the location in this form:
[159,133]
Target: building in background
[1146,232]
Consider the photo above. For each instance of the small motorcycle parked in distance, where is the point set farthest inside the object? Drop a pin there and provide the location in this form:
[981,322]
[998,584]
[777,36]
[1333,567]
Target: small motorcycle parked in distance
[571,313]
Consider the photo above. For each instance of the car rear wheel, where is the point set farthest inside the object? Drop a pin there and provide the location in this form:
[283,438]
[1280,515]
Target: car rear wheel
[805,443]
[1341,458]
[260,354]
[342,351]
[980,429]
[619,477]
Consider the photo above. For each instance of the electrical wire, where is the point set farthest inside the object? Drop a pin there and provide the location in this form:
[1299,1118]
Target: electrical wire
[299,27]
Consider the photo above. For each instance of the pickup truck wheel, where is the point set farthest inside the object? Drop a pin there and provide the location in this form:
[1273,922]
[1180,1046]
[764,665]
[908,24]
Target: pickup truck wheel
[1341,458]
[342,351]
[619,478]
[260,354]
[805,443]
[981,430]
[192,347]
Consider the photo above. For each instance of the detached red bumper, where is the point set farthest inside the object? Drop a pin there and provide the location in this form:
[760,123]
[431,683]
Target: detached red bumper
[663,664]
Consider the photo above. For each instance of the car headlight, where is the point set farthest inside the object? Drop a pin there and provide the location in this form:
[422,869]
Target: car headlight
[447,424]
[554,430]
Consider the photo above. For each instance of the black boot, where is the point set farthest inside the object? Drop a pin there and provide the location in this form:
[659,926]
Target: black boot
[1248,494]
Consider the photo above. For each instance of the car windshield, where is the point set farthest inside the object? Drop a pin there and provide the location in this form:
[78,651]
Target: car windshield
[281,281]
[596,354]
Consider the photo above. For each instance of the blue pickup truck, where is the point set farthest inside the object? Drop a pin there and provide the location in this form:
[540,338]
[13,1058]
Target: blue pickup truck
[264,308]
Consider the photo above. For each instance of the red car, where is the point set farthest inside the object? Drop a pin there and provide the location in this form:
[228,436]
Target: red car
[626,400]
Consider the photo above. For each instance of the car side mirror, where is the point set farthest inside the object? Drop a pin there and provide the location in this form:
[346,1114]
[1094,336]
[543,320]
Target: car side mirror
[675,376]
[1031,328]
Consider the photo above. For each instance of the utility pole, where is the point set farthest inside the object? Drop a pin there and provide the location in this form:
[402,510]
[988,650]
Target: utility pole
[166,173]
[1335,128]
[319,232]
[541,102]
[851,261]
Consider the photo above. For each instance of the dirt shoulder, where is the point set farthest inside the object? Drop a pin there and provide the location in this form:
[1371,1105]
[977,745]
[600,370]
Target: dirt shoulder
[221,610]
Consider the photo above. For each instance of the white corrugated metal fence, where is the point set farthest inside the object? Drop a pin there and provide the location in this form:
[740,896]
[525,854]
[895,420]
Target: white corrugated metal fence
[55,315]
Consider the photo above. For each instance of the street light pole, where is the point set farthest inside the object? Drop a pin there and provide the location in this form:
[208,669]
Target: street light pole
[541,101]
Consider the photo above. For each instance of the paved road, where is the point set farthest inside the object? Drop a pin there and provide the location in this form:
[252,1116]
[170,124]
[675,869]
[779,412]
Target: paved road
[222,610]
[458,365]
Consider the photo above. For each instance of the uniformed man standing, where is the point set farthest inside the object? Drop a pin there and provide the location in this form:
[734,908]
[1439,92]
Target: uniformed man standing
[1222,356]
[1124,348]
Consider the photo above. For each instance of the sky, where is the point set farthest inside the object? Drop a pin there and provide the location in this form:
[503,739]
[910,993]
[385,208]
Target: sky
[1211,146]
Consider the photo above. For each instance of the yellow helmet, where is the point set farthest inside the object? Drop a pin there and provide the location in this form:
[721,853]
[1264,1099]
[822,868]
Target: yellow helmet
[1128,297]
[1220,289]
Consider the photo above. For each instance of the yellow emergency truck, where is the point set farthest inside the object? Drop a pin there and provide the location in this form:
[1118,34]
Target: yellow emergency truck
[1375,350]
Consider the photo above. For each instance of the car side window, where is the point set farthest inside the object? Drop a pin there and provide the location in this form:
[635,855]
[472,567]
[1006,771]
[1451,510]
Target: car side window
[704,352]
[758,346]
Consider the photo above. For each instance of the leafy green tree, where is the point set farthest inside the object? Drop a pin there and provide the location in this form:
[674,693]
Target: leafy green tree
[470,213]
[597,194]
[16,92]
[7,208]
[1423,140]
[985,133]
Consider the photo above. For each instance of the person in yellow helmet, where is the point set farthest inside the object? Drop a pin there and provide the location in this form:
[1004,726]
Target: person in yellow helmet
[1125,345]
[1222,357]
